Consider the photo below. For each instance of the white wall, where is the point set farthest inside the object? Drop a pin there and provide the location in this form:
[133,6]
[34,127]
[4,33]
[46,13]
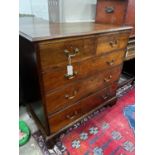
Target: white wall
[25,7]
[67,10]
[39,8]
[77,10]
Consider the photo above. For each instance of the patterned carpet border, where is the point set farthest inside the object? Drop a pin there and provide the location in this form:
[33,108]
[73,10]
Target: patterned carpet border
[59,148]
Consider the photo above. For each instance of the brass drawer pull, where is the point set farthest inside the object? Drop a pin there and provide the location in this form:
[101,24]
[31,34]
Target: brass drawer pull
[109,9]
[71,97]
[111,63]
[69,77]
[71,54]
[108,79]
[113,43]
[72,116]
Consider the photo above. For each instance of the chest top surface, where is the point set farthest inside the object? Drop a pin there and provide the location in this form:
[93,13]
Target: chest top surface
[36,29]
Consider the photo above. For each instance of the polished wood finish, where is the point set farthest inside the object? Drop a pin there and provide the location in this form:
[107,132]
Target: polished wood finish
[80,108]
[68,95]
[55,78]
[52,54]
[100,63]
[111,11]
[130,16]
[97,63]
[54,136]
[35,29]
[119,12]
[111,42]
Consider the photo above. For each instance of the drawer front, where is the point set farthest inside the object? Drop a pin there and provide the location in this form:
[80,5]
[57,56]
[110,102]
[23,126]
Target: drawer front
[55,53]
[101,63]
[111,11]
[111,42]
[56,78]
[67,116]
[72,93]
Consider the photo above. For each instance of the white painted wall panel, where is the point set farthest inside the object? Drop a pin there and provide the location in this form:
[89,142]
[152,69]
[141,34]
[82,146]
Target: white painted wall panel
[25,7]
[66,11]
[77,10]
[39,8]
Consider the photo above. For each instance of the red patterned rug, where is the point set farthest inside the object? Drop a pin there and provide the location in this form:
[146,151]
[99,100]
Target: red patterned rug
[111,132]
[106,132]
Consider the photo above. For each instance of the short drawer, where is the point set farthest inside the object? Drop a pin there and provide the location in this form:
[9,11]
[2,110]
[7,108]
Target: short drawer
[110,42]
[67,116]
[72,93]
[56,78]
[55,53]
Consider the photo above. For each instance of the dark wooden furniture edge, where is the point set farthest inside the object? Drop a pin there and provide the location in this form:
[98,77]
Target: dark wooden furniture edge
[37,121]
[38,39]
[50,140]
[106,103]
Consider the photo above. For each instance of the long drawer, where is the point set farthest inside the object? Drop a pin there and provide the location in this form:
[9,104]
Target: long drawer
[75,91]
[67,116]
[56,77]
[55,53]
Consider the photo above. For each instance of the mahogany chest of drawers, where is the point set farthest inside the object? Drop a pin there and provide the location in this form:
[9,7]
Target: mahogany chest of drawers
[58,98]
